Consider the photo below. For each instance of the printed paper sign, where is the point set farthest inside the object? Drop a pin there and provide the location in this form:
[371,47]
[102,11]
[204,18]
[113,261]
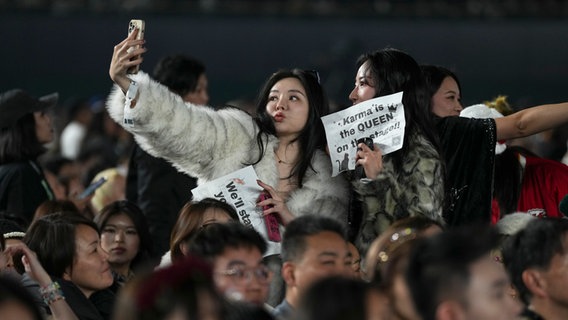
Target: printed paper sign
[381,119]
[240,190]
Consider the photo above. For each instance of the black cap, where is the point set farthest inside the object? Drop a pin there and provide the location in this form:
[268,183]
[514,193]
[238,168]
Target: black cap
[16,103]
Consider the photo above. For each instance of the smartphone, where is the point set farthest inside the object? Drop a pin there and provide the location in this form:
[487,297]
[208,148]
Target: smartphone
[92,188]
[272,225]
[141,26]
[359,170]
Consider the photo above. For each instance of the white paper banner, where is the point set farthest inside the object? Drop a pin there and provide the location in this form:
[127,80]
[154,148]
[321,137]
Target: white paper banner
[381,119]
[240,190]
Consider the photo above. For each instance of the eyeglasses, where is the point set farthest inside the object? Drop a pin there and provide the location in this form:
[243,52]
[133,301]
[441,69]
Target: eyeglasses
[243,275]
[314,74]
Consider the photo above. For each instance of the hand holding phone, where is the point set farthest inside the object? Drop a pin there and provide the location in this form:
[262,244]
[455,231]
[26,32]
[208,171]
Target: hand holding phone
[359,170]
[141,26]
[271,222]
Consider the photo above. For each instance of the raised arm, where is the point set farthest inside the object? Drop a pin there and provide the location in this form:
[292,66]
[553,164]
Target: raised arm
[197,140]
[531,120]
[51,293]
[121,60]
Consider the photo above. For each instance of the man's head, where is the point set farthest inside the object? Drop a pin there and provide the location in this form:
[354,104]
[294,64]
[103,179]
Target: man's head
[453,276]
[313,247]
[537,260]
[185,76]
[235,251]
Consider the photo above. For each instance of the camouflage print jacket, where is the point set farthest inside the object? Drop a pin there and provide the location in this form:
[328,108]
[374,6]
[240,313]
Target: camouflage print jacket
[417,189]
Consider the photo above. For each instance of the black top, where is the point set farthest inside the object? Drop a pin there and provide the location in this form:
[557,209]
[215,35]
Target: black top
[160,191]
[22,189]
[468,147]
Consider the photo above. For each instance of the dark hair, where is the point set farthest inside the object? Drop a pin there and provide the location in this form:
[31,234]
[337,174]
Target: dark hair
[393,71]
[19,142]
[179,73]
[312,136]
[533,247]
[155,295]
[335,298]
[294,238]
[53,206]
[508,178]
[145,247]
[12,291]
[52,238]
[190,220]
[213,240]
[434,76]
[7,225]
[439,266]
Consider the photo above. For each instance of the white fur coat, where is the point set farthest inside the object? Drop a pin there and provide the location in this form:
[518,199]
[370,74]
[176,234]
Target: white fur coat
[207,144]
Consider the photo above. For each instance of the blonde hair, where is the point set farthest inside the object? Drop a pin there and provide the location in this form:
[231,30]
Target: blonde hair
[112,190]
[500,104]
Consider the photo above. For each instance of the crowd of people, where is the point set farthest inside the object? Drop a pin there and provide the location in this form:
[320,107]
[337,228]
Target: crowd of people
[424,234]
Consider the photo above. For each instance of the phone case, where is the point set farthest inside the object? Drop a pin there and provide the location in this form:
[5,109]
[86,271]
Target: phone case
[92,188]
[359,170]
[272,225]
[132,25]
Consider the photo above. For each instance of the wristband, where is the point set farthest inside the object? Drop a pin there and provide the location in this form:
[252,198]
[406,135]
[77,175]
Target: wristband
[51,293]
[129,103]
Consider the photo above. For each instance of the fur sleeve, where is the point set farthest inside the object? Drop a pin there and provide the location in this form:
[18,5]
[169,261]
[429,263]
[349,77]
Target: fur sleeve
[321,194]
[197,140]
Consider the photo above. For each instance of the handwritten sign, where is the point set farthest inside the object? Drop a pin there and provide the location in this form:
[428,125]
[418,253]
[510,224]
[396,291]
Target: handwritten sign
[240,190]
[381,119]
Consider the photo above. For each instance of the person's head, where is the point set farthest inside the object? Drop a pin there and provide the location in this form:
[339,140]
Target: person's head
[124,235]
[16,302]
[192,217]
[290,106]
[183,290]
[313,247]
[452,275]
[389,71]
[236,253]
[112,190]
[535,257]
[184,76]
[67,246]
[25,125]
[12,234]
[385,267]
[53,206]
[337,298]
[423,225]
[444,90]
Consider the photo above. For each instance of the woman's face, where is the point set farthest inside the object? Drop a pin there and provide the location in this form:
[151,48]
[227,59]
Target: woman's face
[120,239]
[200,96]
[447,100]
[288,106]
[364,86]
[43,127]
[91,271]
